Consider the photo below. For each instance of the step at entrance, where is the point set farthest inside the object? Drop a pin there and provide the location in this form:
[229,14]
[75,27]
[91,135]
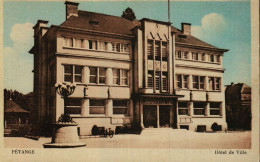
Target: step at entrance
[162,131]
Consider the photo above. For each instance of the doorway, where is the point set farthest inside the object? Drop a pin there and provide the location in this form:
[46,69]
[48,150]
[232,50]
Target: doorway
[150,116]
[164,116]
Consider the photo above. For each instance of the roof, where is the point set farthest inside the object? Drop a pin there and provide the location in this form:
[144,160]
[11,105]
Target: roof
[106,23]
[12,107]
[238,88]
[114,24]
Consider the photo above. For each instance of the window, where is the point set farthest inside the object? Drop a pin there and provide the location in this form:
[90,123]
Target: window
[150,79]
[195,82]
[182,81]
[195,56]
[201,80]
[79,43]
[68,42]
[215,108]
[93,75]
[124,48]
[120,77]
[101,46]
[178,54]
[150,49]
[102,76]
[96,106]
[73,106]
[179,81]
[185,55]
[214,83]
[157,80]
[199,108]
[72,73]
[97,75]
[116,47]
[164,81]
[164,51]
[185,81]
[211,58]
[218,59]
[182,108]
[157,51]
[92,44]
[124,77]
[198,82]
[116,76]
[217,84]
[120,107]
[202,57]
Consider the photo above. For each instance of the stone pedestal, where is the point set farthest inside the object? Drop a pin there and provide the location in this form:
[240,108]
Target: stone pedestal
[65,136]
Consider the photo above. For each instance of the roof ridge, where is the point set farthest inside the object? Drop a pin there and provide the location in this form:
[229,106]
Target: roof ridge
[105,14]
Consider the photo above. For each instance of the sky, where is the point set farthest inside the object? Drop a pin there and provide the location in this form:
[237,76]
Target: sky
[222,24]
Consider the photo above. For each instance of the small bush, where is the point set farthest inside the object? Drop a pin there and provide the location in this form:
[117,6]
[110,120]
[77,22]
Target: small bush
[118,130]
[136,128]
[95,130]
[215,127]
[125,129]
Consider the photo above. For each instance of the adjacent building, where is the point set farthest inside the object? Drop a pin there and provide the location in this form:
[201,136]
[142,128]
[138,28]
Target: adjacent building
[127,71]
[238,106]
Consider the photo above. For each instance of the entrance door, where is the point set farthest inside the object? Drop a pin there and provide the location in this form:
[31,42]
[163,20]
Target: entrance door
[164,115]
[150,116]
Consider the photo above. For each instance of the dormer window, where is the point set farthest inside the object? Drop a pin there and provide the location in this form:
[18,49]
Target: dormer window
[93,22]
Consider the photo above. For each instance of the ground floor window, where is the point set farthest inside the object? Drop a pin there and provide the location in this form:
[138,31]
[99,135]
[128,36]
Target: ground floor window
[96,106]
[199,108]
[73,106]
[182,108]
[215,108]
[120,107]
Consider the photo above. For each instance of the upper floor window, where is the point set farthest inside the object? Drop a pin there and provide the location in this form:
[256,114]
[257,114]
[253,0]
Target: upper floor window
[198,82]
[79,43]
[124,48]
[195,56]
[150,79]
[211,58]
[164,51]
[120,77]
[164,81]
[178,54]
[101,46]
[214,83]
[72,73]
[116,47]
[217,58]
[202,57]
[185,55]
[97,75]
[92,44]
[182,81]
[124,77]
[157,52]
[150,49]
[68,42]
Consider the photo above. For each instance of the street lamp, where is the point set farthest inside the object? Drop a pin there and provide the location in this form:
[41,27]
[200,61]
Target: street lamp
[65,90]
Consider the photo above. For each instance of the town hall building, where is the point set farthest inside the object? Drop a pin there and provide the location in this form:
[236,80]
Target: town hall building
[126,71]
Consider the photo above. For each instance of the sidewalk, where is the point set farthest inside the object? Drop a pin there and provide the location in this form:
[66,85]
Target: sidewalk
[183,139]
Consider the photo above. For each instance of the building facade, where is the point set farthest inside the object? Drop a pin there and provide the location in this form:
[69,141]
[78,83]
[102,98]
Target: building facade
[238,106]
[127,71]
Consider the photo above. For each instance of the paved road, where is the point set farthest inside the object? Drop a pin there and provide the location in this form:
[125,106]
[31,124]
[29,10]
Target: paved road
[182,139]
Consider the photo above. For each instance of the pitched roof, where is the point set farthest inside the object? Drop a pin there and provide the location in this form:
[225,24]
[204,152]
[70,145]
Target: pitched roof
[12,107]
[238,88]
[118,25]
[106,23]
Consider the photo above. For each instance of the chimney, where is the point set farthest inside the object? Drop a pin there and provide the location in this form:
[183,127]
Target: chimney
[186,28]
[71,9]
